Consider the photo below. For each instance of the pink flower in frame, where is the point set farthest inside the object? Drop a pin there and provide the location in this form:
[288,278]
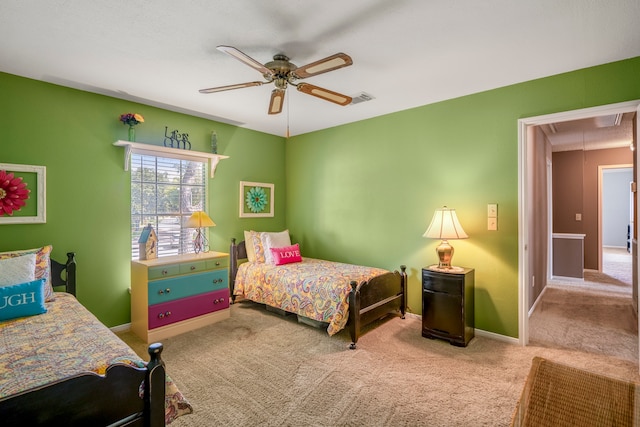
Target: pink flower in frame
[13,193]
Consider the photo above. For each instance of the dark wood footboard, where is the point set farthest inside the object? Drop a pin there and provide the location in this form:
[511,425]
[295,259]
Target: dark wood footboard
[374,299]
[93,400]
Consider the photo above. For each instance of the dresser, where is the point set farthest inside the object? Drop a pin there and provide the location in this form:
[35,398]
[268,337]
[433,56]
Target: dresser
[447,305]
[176,294]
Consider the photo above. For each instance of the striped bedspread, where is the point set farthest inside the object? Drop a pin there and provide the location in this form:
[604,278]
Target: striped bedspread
[313,288]
[64,341]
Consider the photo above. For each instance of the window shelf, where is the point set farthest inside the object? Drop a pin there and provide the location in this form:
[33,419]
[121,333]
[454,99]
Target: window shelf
[174,153]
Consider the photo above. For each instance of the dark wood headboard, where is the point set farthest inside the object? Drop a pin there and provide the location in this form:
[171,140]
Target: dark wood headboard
[236,253]
[65,274]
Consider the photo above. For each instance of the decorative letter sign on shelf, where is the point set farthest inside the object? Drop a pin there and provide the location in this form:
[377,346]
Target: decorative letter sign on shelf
[174,153]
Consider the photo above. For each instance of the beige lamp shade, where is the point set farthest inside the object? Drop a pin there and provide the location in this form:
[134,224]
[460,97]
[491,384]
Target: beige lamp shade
[445,226]
[199,219]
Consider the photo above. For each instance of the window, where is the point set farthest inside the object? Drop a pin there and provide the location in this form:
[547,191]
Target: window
[164,193]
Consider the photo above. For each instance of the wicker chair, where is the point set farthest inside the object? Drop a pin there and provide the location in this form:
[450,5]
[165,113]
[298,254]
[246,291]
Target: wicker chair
[559,395]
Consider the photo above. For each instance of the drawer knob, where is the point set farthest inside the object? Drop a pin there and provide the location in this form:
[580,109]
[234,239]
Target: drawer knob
[217,262]
[168,290]
[160,315]
[161,292]
[165,272]
[218,300]
[193,267]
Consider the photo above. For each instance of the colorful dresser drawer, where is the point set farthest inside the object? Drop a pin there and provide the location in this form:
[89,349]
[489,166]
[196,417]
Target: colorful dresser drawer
[185,286]
[186,308]
[176,294]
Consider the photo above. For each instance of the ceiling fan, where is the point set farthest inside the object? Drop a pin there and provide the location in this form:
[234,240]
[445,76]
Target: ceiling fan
[282,73]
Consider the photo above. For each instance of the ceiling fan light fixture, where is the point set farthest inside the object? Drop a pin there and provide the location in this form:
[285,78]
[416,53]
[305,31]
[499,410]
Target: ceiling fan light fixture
[282,72]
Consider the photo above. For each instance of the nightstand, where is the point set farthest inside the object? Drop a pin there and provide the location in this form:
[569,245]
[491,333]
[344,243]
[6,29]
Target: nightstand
[447,305]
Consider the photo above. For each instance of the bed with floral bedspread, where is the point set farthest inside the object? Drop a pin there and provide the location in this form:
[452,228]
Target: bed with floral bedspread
[314,288]
[59,365]
[334,293]
[62,342]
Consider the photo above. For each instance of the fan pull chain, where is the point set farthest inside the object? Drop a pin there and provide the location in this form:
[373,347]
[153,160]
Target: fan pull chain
[287,135]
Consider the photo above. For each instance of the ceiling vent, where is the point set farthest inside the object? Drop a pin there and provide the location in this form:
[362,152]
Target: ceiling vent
[361,97]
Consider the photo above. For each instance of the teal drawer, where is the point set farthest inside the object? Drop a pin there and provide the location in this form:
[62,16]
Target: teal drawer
[164,271]
[218,263]
[184,286]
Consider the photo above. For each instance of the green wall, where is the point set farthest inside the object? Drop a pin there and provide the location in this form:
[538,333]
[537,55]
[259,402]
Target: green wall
[365,192]
[362,193]
[71,132]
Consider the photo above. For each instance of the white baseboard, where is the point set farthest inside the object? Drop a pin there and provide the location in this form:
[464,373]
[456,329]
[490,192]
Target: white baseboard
[479,332]
[497,337]
[121,328]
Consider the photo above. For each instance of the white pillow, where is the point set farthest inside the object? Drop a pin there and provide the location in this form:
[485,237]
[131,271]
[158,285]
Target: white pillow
[274,240]
[248,244]
[20,269]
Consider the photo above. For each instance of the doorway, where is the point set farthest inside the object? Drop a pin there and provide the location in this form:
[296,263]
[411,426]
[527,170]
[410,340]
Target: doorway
[530,239]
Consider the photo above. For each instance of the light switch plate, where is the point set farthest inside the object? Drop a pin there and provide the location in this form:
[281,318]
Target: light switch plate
[492,210]
[492,224]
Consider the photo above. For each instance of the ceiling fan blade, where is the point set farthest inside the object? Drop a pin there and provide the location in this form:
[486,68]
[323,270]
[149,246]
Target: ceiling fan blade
[230,87]
[276,102]
[329,63]
[240,56]
[326,94]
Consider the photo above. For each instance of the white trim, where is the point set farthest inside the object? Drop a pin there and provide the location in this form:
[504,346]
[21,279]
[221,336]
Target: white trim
[121,328]
[497,337]
[523,220]
[576,236]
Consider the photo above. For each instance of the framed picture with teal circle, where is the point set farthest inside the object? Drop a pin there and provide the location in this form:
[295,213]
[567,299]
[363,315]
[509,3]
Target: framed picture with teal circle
[256,199]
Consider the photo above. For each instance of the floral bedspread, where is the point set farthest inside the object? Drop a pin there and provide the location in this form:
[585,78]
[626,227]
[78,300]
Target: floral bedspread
[313,288]
[64,341]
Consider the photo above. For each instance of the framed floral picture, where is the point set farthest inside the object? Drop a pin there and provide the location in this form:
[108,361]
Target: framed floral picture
[22,194]
[256,199]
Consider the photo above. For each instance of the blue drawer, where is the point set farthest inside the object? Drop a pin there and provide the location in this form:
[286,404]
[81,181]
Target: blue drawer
[184,286]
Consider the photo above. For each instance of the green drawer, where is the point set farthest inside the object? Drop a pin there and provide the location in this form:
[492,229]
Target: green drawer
[193,267]
[164,271]
[218,263]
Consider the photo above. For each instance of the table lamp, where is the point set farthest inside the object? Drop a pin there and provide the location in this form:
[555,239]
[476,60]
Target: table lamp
[198,220]
[445,226]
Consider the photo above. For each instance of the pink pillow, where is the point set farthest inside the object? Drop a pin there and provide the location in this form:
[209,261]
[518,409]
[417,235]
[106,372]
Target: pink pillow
[286,255]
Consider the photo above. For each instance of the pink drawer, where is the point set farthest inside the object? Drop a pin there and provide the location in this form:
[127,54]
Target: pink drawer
[186,308]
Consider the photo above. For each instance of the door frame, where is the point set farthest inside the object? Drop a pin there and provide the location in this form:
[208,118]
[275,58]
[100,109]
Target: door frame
[524,139]
[601,170]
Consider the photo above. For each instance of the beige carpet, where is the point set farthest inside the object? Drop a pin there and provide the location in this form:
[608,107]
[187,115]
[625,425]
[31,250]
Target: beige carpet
[260,369]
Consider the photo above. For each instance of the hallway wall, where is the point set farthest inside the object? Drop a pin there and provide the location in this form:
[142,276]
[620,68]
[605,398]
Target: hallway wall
[575,191]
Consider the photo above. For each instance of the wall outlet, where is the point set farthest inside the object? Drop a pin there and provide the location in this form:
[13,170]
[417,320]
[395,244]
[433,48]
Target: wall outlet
[492,210]
[578,217]
[492,224]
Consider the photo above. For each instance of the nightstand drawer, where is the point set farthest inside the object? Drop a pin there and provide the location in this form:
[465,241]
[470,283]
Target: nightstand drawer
[185,286]
[451,285]
[186,308]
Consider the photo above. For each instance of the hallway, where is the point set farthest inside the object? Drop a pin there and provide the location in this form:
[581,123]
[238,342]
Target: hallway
[594,316]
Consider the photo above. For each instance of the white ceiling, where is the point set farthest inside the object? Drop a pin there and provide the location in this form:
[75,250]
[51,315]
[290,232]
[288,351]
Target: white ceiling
[406,53]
